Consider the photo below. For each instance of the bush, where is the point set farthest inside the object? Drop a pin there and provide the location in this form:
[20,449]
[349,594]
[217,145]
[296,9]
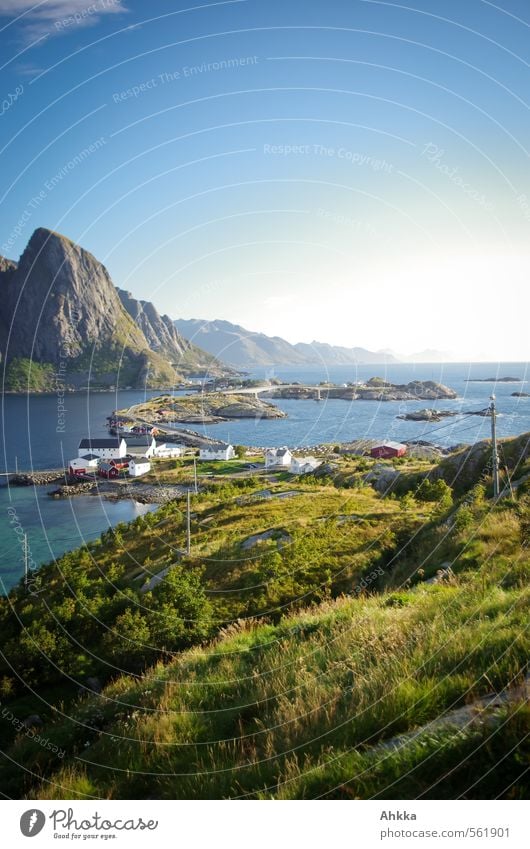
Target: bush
[463,518]
[438,491]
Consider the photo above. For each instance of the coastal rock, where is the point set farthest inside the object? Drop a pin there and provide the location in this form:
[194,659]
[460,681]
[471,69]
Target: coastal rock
[494,380]
[427,415]
[376,389]
[248,410]
[36,478]
[201,408]
[69,490]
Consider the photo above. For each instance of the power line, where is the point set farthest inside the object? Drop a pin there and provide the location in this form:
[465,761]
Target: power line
[452,424]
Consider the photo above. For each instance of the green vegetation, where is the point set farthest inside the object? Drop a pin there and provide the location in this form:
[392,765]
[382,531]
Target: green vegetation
[22,375]
[313,623]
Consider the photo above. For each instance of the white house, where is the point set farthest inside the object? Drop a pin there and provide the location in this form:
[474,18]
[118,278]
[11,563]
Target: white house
[304,465]
[105,449]
[277,458]
[139,466]
[141,444]
[217,451]
[82,465]
[169,450]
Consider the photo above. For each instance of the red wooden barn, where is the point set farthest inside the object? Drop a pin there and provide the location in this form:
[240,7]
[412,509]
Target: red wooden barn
[386,450]
[113,468]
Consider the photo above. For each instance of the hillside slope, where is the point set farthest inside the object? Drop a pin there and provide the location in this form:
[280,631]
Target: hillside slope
[307,629]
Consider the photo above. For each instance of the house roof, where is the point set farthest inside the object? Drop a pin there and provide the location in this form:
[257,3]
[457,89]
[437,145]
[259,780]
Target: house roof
[278,452]
[390,444]
[140,461]
[216,446]
[100,443]
[89,457]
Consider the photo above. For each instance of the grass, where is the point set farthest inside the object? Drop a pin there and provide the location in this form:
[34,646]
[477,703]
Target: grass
[296,709]
[323,648]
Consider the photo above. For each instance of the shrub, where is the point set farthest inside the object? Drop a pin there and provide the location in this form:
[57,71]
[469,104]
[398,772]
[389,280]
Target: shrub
[463,518]
[438,491]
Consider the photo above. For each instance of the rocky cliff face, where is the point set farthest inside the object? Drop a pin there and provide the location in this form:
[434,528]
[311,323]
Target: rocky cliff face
[7,267]
[163,337]
[61,303]
[60,310]
[159,330]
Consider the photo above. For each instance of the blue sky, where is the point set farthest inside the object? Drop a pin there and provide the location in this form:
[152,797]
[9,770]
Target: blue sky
[350,171]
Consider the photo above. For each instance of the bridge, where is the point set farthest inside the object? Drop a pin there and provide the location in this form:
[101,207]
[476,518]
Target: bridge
[256,391]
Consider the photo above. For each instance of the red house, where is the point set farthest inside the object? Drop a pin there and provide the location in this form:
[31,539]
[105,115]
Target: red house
[113,468]
[387,450]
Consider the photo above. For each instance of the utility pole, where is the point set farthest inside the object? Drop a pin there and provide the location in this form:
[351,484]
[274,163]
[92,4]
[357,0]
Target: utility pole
[25,551]
[195,474]
[188,526]
[495,453]
[16,465]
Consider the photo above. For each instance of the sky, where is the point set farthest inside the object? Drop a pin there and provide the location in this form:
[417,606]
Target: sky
[350,171]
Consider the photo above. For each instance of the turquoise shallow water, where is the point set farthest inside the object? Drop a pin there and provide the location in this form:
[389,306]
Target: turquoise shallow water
[34,437]
[52,527]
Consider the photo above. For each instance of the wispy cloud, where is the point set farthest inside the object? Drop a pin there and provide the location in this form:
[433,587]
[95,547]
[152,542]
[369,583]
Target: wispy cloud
[57,17]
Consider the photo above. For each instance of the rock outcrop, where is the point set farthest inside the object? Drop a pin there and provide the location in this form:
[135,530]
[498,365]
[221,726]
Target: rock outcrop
[428,415]
[375,389]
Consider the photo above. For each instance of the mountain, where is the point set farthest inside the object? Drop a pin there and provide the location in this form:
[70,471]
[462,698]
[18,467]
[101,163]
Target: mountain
[61,318]
[163,337]
[239,347]
[246,349]
[429,355]
[322,353]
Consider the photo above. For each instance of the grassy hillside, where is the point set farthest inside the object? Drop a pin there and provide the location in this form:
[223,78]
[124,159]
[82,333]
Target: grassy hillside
[22,375]
[284,666]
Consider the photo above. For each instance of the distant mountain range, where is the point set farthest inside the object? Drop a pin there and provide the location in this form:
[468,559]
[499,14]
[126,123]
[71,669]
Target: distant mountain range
[62,321]
[245,349]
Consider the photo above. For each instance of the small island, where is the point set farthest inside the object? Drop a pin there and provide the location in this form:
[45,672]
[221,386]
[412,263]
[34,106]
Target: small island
[199,408]
[494,380]
[236,401]
[375,389]
[428,415]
